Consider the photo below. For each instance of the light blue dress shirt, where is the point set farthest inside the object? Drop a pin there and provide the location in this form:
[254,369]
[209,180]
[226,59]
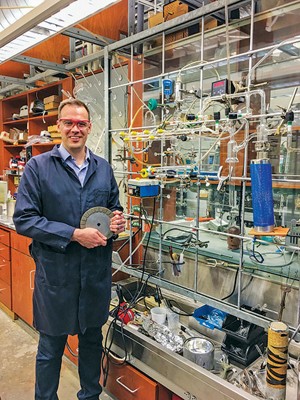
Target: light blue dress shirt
[81,170]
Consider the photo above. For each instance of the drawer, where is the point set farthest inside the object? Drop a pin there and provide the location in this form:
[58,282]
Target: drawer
[20,242]
[4,251]
[4,237]
[5,274]
[125,382]
[5,294]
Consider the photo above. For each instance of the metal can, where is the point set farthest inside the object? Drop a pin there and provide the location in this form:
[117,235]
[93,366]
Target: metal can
[200,351]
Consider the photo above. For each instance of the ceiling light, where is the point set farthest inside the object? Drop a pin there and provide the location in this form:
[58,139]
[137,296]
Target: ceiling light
[46,20]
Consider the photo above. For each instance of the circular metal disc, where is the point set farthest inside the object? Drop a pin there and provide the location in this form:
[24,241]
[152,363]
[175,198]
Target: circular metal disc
[98,218]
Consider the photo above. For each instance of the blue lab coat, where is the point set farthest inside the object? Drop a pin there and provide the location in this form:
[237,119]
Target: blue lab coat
[72,283]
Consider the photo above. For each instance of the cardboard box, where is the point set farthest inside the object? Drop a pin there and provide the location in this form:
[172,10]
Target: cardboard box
[174,9]
[155,19]
[173,37]
[52,128]
[55,135]
[50,99]
[210,23]
[52,106]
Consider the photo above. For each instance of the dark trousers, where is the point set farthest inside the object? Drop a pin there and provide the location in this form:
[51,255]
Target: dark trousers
[48,365]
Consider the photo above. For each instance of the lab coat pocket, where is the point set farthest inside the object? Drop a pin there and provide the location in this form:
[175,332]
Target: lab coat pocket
[53,268]
[98,197]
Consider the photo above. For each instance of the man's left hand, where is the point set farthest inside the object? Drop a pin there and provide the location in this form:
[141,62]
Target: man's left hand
[117,222]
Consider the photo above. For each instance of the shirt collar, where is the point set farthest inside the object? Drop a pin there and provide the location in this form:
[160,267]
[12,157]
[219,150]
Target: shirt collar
[65,154]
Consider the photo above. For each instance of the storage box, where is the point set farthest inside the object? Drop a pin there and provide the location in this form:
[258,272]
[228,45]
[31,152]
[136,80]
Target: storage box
[210,317]
[155,19]
[53,105]
[241,353]
[241,330]
[174,9]
[52,128]
[173,37]
[55,135]
[50,99]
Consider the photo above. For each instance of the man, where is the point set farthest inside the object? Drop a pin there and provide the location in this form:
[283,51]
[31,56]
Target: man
[73,265]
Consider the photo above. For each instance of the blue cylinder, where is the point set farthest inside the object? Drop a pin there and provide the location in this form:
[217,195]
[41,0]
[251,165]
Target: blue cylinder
[262,195]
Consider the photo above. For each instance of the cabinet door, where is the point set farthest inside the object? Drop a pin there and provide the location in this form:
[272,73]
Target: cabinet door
[125,382]
[5,270]
[73,344]
[5,294]
[4,251]
[20,242]
[23,269]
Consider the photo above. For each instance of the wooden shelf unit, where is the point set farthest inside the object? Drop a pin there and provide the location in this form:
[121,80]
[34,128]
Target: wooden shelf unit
[32,124]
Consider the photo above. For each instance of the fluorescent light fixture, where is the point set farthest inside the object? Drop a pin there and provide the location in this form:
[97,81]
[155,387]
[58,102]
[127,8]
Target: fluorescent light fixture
[44,21]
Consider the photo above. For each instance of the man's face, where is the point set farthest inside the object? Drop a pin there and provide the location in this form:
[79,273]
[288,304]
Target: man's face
[74,127]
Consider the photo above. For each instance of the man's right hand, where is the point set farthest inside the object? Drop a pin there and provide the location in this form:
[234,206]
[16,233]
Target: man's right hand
[89,238]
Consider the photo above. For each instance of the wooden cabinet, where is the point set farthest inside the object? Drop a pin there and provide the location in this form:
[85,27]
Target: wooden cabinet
[20,243]
[23,270]
[31,125]
[5,273]
[72,351]
[126,382]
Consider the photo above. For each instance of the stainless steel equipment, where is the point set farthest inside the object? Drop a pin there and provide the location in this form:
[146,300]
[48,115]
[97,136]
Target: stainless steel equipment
[200,351]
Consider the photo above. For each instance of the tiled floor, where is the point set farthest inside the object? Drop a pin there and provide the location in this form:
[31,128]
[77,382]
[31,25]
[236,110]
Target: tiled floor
[17,359]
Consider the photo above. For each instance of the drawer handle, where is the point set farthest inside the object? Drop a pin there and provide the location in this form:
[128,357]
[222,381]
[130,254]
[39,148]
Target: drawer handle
[118,380]
[2,265]
[2,290]
[30,281]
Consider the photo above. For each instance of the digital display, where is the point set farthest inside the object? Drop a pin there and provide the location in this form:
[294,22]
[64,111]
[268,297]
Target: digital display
[219,88]
[219,83]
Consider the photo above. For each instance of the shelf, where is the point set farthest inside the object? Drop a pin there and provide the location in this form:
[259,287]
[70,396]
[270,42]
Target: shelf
[285,185]
[22,121]
[10,174]
[16,122]
[20,146]
[13,146]
[41,117]
[43,144]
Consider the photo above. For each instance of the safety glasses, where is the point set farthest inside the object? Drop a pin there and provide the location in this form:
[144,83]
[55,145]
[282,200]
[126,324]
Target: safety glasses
[70,123]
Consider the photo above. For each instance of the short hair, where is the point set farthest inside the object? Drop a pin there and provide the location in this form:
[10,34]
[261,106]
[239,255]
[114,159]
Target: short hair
[73,102]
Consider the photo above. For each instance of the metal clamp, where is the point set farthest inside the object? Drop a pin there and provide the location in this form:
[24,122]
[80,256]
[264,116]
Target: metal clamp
[223,179]
[213,262]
